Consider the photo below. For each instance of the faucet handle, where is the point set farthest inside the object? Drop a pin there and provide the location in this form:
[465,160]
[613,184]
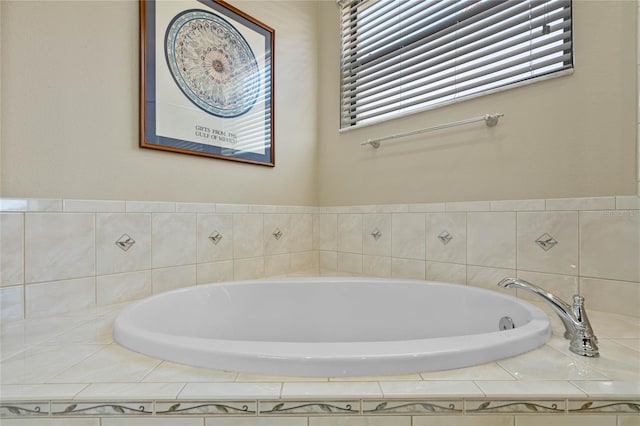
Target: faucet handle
[584,341]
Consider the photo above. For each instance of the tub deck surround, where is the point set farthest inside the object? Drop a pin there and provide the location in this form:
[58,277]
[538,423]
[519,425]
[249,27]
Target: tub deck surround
[68,366]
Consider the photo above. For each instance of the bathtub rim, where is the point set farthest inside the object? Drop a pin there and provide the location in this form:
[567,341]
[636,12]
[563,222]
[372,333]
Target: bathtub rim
[320,358]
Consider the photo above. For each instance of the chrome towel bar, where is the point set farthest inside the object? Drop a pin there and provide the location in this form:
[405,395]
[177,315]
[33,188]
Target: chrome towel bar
[489,119]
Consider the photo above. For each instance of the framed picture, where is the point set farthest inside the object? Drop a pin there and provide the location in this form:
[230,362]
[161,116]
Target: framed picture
[206,81]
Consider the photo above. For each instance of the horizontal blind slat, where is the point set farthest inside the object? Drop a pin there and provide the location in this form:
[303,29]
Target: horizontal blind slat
[365,95]
[447,90]
[397,56]
[478,26]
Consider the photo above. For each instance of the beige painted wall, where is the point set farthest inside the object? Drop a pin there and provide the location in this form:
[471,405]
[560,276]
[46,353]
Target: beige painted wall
[70,119]
[70,110]
[566,137]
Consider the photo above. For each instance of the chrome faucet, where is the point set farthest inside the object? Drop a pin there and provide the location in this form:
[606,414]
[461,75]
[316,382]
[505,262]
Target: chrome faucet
[576,323]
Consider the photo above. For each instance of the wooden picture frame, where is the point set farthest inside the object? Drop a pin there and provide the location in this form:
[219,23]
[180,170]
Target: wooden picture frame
[206,81]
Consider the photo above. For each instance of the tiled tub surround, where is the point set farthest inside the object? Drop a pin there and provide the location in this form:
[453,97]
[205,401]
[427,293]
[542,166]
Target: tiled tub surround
[81,253]
[585,245]
[67,370]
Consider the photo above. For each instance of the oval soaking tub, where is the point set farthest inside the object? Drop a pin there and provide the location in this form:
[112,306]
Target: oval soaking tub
[331,326]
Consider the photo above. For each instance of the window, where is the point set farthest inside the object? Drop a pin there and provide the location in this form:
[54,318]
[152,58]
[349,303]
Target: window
[400,56]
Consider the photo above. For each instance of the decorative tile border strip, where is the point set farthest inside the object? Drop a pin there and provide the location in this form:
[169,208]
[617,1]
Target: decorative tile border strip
[412,407]
[24,409]
[206,408]
[74,408]
[316,408]
[515,407]
[280,408]
[612,406]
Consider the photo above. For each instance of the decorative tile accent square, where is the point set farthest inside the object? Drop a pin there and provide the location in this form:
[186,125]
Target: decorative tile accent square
[215,237]
[116,234]
[125,242]
[445,237]
[546,242]
[378,224]
[442,246]
[277,234]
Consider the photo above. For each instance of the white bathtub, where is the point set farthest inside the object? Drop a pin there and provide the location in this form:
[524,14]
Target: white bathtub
[331,326]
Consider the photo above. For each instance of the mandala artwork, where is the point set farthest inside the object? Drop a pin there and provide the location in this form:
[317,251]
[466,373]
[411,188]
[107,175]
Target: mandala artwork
[212,63]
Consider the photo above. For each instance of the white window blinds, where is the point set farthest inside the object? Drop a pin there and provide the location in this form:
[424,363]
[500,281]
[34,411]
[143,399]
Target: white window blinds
[399,56]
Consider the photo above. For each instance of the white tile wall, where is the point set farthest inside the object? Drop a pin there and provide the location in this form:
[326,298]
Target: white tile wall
[277,264]
[303,261]
[491,239]
[503,420]
[59,246]
[350,263]
[249,268]
[262,421]
[11,303]
[361,421]
[485,277]
[11,248]
[446,272]
[301,232]
[214,272]
[376,266]
[248,235]
[65,250]
[119,288]
[597,252]
[586,420]
[407,268]
[328,231]
[72,255]
[611,296]
[173,239]
[408,230]
[350,233]
[56,297]
[610,244]
[166,279]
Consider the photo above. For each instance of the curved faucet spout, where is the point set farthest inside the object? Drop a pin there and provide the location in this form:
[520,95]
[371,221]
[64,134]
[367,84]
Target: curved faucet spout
[558,305]
[574,317]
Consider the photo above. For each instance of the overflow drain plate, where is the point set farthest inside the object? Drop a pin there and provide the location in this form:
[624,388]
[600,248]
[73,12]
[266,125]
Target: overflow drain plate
[506,323]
